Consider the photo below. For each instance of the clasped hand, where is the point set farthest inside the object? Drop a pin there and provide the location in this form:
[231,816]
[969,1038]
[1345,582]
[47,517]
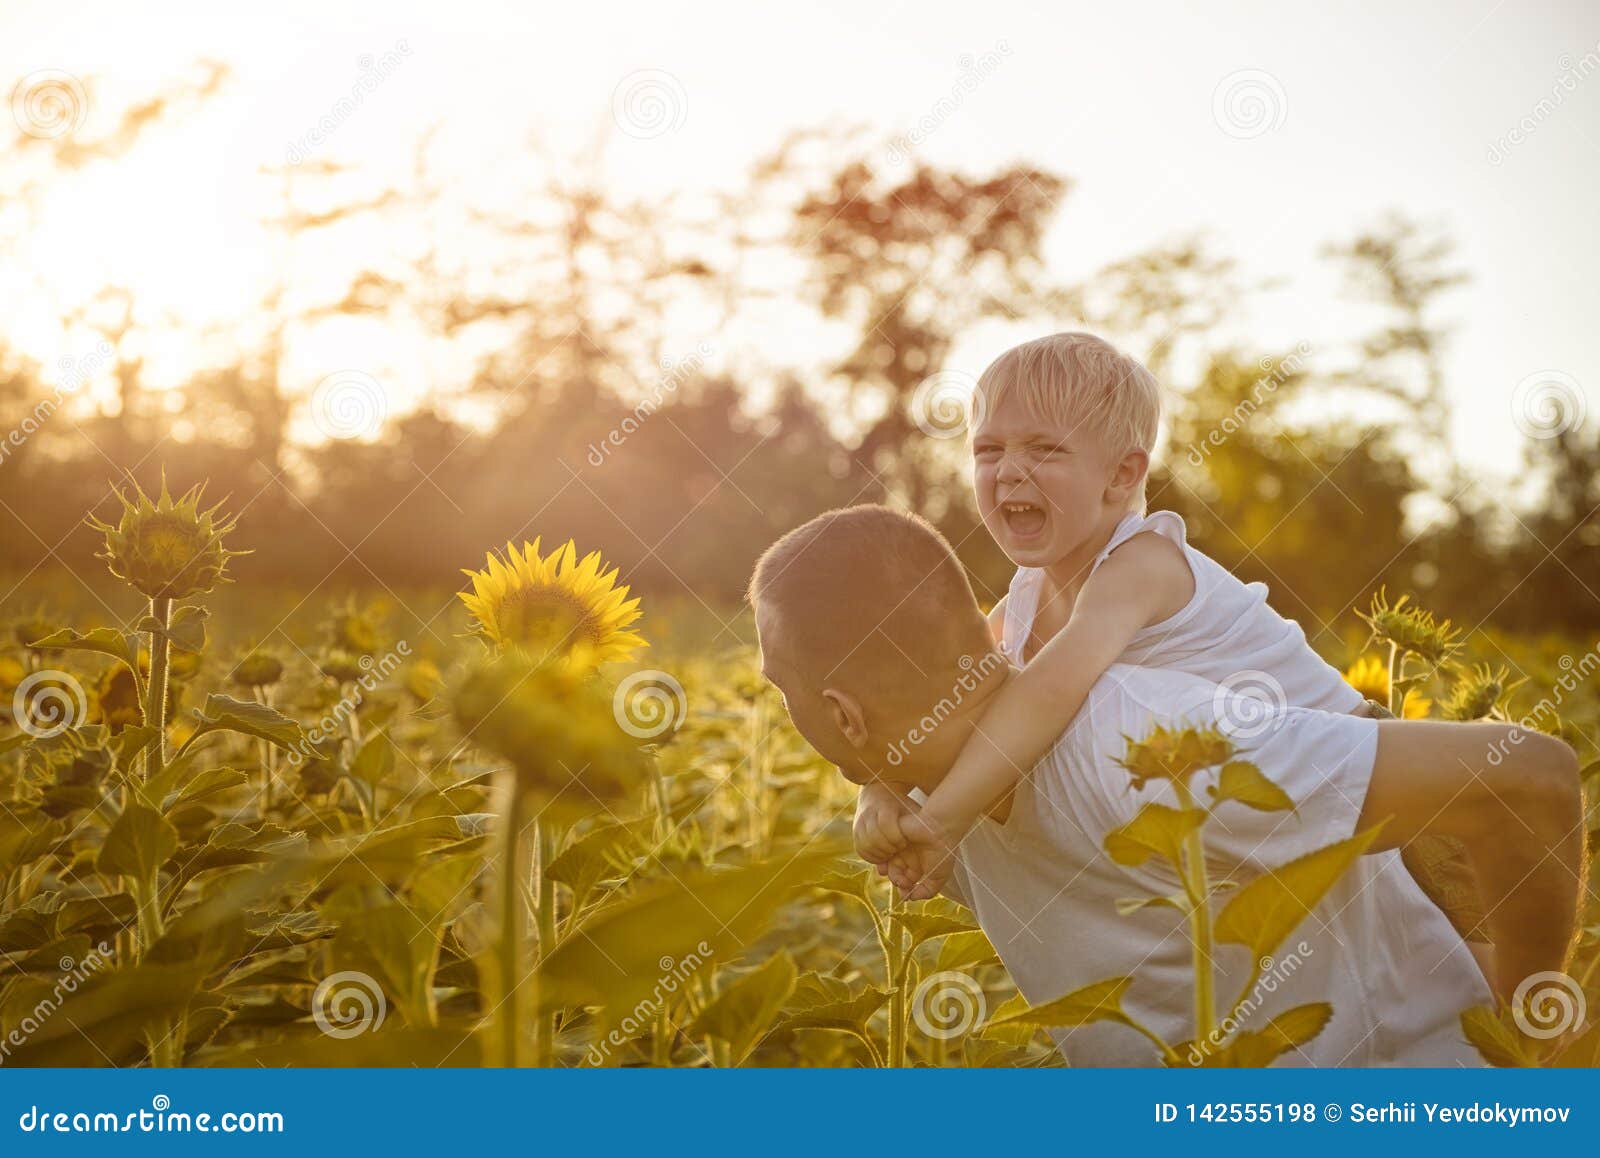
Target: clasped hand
[903,842]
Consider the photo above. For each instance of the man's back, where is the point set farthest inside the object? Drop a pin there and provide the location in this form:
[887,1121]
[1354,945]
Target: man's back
[1046,893]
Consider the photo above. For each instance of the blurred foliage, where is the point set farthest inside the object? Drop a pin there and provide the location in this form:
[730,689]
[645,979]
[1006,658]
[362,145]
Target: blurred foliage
[591,408]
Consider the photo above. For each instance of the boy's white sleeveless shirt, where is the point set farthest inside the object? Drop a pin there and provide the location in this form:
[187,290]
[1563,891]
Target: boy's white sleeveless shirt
[1227,633]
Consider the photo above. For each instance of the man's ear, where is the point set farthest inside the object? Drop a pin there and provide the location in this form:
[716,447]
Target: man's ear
[847,716]
[1126,476]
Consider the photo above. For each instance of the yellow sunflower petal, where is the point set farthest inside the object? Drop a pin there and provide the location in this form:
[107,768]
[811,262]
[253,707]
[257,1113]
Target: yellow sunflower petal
[554,605]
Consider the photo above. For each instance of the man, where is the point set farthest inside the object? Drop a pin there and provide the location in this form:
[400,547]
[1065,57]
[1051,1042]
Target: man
[870,630]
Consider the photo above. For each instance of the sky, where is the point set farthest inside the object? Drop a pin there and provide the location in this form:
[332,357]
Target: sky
[1270,128]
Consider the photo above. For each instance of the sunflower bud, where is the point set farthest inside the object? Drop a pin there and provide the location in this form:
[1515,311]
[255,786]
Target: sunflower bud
[1477,692]
[559,732]
[1412,630]
[1175,753]
[343,666]
[259,669]
[168,549]
[353,630]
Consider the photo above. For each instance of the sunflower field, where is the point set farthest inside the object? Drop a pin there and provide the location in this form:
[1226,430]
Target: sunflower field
[248,827]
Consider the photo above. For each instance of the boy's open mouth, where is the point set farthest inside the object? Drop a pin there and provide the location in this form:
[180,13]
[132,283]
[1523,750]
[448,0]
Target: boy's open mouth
[1023,520]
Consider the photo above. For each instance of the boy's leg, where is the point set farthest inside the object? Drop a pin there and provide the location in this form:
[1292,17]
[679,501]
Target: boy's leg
[1513,796]
[1440,867]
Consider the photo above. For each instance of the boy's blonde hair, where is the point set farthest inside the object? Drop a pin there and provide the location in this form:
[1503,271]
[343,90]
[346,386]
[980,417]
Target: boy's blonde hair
[1078,381]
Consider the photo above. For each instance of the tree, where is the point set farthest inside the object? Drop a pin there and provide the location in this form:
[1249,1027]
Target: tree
[910,264]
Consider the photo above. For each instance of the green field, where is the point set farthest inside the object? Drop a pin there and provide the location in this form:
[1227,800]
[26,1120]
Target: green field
[339,850]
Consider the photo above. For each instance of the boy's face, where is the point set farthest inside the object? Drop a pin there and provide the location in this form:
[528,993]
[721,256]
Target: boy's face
[1041,488]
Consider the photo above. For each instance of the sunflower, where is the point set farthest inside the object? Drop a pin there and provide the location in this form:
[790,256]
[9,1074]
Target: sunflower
[423,680]
[1370,676]
[1411,630]
[1479,692]
[169,548]
[258,669]
[1175,753]
[554,606]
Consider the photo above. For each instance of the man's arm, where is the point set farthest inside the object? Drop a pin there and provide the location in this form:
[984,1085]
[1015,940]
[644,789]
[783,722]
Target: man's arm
[1512,797]
[997,621]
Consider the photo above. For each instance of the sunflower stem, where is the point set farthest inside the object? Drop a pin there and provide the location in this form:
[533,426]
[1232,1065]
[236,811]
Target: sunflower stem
[264,697]
[508,1016]
[1198,887]
[899,1000]
[545,889]
[155,712]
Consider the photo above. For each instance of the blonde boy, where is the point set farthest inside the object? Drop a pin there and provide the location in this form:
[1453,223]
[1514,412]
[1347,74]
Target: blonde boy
[1065,429]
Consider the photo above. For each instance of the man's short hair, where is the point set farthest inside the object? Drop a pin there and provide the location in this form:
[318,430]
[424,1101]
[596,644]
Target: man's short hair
[1078,381]
[873,600]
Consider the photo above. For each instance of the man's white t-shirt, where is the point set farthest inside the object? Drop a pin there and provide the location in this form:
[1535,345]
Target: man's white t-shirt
[1044,890]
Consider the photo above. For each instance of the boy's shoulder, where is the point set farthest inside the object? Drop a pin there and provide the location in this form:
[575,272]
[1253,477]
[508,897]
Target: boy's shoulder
[1150,549]
[1154,568]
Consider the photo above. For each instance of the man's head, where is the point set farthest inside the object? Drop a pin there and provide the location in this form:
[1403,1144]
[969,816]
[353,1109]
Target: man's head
[1063,444]
[870,631]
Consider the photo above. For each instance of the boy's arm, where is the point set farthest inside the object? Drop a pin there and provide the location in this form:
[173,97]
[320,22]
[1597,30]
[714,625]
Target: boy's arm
[1144,581]
[1511,796]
